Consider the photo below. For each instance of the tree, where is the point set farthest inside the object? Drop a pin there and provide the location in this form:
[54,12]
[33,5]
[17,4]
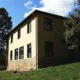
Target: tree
[5,27]
[72,30]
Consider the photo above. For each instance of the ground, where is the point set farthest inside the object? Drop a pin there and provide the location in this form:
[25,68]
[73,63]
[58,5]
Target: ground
[62,72]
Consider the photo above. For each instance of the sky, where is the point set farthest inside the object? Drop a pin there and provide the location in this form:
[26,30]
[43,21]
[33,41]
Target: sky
[19,9]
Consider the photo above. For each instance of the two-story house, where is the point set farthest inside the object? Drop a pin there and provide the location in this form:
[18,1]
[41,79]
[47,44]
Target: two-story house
[36,42]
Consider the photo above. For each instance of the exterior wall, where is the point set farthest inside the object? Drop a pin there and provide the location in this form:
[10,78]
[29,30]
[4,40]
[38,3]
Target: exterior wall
[37,38]
[55,36]
[26,63]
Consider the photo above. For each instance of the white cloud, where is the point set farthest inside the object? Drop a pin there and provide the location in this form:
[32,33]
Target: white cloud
[27,13]
[58,7]
[28,3]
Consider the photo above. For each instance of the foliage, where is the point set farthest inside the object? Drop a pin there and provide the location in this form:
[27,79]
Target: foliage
[5,27]
[63,72]
[72,30]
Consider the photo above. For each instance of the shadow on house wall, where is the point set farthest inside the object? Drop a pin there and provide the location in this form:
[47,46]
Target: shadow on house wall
[72,58]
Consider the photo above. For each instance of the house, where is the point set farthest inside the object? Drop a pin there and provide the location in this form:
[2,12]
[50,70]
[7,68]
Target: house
[36,42]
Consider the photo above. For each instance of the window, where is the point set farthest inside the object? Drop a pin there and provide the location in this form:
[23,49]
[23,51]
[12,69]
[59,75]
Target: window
[48,49]
[29,27]
[19,33]
[48,24]
[21,52]
[29,51]
[11,55]
[11,38]
[16,54]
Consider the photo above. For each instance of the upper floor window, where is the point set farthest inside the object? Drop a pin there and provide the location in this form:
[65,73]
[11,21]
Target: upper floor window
[29,51]
[11,38]
[11,55]
[48,24]
[19,33]
[16,54]
[29,27]
[21,52]
[49,49]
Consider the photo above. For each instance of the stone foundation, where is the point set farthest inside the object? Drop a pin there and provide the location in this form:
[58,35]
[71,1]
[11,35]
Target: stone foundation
[22,65]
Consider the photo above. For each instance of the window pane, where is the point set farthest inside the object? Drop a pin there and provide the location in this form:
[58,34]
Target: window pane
[11,55]
[29,50]
[19,32]
[16,54]
[11,38]
[29,27]
[21,52]
[47,24]
[48,49]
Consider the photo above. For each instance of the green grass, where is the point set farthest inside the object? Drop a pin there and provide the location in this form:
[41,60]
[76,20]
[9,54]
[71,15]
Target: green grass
[63,72]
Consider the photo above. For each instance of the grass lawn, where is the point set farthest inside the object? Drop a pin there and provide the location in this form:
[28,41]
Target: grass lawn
[63,72]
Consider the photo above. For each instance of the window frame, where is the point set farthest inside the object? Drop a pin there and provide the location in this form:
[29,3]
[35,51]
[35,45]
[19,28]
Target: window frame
[19,33]
[16,52]
[29,50]
[21,52]
[48,45]
[11,55]
[47,24]
[29,27]
[11,38]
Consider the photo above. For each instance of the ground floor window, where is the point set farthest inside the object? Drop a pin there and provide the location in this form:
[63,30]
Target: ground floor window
[16,54]
[11,55]
[29,51]
[21,52]
[48,49]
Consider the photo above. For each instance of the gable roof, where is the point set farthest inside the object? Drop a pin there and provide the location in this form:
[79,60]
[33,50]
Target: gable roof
[33,12]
